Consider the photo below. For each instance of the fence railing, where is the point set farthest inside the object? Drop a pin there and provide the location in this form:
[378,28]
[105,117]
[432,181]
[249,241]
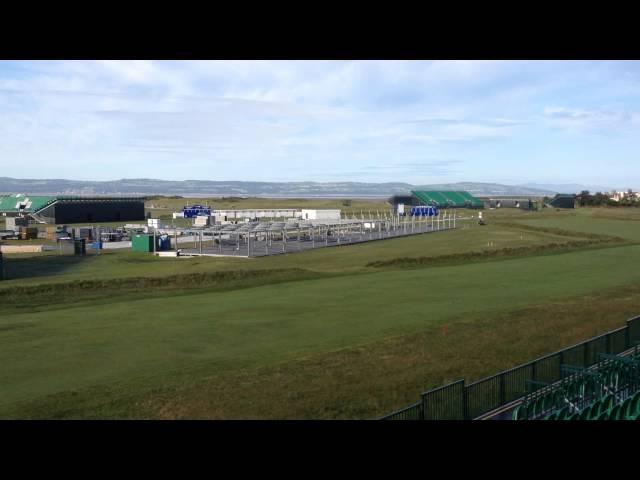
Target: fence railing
[457,401]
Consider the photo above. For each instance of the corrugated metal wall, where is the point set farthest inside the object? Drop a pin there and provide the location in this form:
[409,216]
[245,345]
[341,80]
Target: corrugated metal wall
[93,211]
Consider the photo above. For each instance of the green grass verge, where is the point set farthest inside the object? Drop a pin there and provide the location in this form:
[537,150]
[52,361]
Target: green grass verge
[363,381]
[314,335]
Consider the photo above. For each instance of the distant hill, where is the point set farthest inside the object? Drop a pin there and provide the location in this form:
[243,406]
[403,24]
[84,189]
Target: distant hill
[570,187]
[486,189]
[143,186]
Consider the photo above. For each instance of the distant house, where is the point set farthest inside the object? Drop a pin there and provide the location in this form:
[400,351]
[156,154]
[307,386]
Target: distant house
[618,196]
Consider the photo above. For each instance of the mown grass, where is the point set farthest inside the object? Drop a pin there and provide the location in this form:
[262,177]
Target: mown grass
[135,288]
[165,340]
[45,268]
[473,256]
[363,381]
[590,221]
[314,335]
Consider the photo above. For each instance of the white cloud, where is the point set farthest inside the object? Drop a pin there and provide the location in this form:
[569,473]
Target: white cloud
[252,116]
[591,121]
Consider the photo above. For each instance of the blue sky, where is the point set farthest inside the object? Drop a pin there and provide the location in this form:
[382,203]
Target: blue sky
[420,122]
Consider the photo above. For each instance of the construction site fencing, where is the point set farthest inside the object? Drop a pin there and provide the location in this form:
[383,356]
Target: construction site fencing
[460,401]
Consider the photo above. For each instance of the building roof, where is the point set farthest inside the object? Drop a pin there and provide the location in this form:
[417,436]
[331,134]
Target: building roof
[34,203]
[30,203]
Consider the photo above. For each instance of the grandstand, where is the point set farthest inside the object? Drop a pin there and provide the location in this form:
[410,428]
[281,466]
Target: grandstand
[68,209]
[608,391]
[598,379]
[447,199]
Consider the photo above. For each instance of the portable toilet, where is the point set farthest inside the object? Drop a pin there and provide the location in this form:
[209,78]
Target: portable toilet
[79,247]
[164,243]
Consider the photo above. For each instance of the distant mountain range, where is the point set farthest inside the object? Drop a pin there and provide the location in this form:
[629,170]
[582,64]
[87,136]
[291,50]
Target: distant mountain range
[201,188]
[570,187]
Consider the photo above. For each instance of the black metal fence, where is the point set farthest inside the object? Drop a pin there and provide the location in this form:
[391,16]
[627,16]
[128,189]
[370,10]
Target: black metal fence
[458,401]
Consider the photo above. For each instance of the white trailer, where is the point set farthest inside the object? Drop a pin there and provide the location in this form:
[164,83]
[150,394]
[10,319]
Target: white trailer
[307,214]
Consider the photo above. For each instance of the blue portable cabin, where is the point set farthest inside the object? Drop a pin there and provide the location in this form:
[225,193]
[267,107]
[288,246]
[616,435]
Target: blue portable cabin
[164,243]
[424,211]
[194,211]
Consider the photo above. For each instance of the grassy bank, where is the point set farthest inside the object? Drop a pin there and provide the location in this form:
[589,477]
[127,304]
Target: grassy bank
[320,334]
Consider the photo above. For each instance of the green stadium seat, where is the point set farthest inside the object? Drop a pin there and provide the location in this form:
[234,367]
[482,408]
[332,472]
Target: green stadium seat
[625,409]
[595,412]
[549,401]
[608,378]
[564,413]
[615,412]
[457,199]
[595,409]
[520,412]
[538,406]
[586,414]
[634,409]
[626,405]
[571,392]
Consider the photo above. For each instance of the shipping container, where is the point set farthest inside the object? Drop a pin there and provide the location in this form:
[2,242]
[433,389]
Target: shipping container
[142,243]
[28,233]
[79,247]
[13,223]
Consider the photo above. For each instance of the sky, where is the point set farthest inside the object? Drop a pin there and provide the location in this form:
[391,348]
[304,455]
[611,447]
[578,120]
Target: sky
[420,122]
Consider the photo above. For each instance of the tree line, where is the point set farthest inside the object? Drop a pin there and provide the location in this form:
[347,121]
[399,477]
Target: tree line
[586,199]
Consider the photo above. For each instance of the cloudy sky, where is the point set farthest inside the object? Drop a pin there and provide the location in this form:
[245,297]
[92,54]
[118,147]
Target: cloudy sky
[373,121]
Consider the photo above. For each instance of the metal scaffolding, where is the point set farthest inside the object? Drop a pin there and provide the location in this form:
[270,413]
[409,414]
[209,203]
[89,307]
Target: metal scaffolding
[258,239]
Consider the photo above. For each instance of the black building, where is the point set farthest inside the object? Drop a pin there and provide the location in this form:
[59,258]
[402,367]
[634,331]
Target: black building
[89,210]
[402,200]
[563,200]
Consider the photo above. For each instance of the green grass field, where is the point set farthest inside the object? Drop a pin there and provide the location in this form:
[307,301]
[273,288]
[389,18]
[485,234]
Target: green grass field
[319,334]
